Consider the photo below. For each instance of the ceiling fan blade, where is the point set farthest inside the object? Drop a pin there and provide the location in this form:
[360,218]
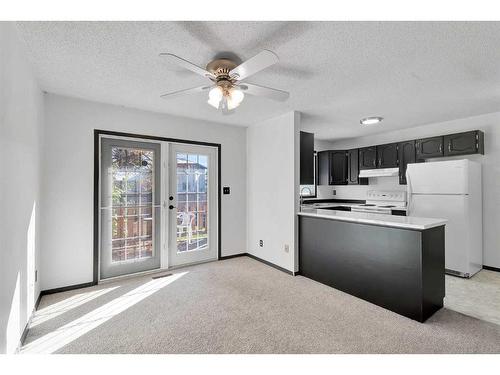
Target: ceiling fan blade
[192,90]
[186,64]
[256,90]
[255,64]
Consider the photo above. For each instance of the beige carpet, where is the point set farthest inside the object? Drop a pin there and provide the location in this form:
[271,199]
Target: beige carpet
[241,306]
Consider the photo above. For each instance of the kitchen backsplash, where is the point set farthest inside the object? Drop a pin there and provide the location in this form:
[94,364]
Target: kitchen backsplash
[359,191]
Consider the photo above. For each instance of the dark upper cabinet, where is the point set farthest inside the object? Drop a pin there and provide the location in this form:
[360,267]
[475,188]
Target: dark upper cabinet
[342,167]
[368,157]
[353,169]
[306,158]
[387,155]
[338,168]
[406,155]
[323,158]
[464,143]
[332,168]
[429,148]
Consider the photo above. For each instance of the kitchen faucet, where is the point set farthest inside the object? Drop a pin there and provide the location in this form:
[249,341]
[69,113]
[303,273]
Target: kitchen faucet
[302,197]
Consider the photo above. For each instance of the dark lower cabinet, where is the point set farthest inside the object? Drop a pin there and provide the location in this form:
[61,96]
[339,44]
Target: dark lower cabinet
[429,148]
[338,168]
[396,268]
[368,157]
[387,155]
[306,158]
[406,155]
[353,169]
[464,143]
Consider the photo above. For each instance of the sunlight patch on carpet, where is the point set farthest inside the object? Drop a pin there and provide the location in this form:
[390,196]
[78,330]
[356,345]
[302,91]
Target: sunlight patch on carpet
[57,339]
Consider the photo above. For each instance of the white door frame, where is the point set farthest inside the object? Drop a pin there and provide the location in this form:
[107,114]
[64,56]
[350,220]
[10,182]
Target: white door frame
[165,144]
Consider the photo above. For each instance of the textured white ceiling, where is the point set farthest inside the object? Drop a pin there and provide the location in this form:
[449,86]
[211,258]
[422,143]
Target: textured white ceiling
[411,73]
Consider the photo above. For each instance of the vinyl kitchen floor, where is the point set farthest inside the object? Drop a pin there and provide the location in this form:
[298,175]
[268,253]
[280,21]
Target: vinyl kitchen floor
[478,296]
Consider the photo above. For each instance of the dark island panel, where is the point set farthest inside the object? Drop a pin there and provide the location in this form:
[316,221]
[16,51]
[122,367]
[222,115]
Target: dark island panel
[433,270]
[399,269]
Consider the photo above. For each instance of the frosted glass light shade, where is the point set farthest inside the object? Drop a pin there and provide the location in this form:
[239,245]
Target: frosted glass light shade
[215,96]
[235,99]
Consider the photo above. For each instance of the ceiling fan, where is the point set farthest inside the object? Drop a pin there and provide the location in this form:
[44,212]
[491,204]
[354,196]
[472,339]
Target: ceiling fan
[227,89]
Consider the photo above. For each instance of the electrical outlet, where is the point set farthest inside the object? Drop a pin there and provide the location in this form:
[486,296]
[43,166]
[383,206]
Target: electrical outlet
[261,243]
[287,248]
[334,192]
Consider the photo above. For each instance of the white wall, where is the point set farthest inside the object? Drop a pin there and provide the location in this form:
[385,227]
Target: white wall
[68,179]
[359,191]
[21,122]
[273,180]
[322,145]
[490,124]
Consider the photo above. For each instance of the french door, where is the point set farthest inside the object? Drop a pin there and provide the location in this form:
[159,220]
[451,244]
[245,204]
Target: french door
[130,207]
[192,204]
[158,205]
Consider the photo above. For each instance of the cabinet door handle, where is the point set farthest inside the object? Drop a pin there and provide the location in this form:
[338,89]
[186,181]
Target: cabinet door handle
[441,148]
[449,146]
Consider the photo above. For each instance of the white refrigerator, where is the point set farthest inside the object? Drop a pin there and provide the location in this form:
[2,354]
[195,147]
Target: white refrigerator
[451,190]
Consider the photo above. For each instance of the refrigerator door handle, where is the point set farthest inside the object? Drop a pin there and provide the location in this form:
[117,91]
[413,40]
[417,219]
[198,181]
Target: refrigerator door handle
[408,193]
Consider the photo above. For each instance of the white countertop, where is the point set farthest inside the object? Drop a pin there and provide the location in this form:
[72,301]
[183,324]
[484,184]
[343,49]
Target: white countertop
[404,222]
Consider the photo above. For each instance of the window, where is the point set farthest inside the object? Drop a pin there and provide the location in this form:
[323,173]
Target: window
[192,189]
[132,230]
[310,190]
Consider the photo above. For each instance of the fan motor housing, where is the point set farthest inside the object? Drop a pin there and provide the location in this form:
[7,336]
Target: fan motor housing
[221,68]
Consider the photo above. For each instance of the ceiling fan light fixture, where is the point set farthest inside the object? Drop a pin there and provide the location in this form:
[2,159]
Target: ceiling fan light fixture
[232,96]
[225,93]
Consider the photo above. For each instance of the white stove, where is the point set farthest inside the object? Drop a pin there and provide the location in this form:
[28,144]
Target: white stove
[382,202]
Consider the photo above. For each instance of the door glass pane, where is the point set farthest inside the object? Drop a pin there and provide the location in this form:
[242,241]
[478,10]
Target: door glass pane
[192,205]
[132,210]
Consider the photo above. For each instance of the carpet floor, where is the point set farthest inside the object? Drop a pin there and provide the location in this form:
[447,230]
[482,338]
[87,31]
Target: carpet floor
[240,305]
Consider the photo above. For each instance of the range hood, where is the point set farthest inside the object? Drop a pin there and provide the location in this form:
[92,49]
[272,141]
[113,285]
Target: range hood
[381,172]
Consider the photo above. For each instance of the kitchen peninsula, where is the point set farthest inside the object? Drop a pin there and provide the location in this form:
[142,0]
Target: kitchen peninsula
[396,262]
